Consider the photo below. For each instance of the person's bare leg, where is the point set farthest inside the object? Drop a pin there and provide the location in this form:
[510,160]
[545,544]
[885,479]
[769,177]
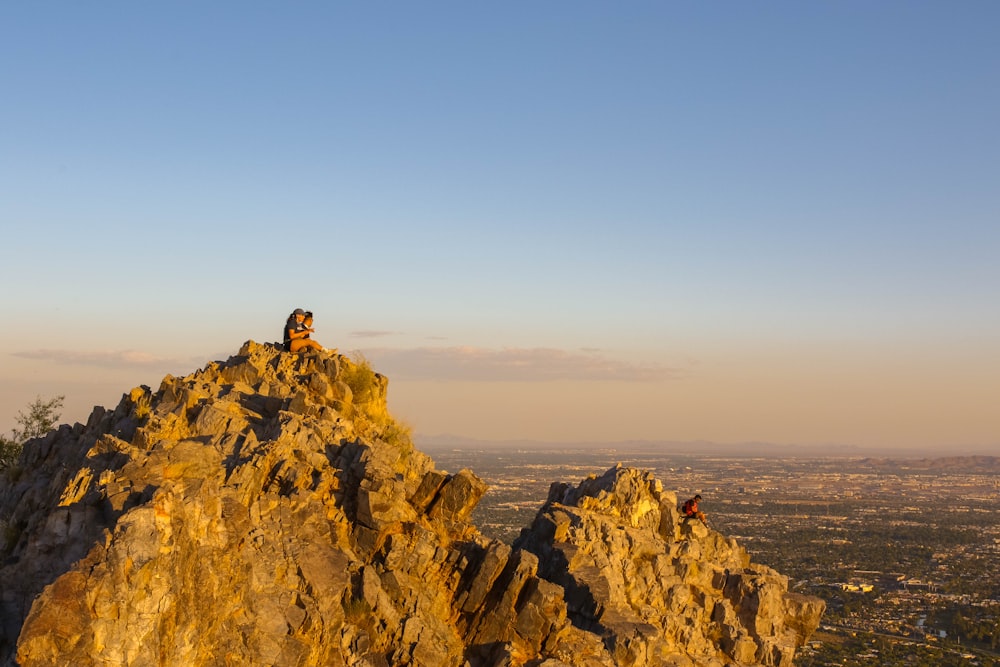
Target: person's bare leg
[300,344]
[308,343]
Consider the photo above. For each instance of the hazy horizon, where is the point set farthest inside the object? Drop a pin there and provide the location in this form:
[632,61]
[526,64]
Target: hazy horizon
[704,448]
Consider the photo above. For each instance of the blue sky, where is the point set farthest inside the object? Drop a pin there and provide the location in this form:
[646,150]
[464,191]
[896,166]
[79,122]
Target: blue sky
[569,221]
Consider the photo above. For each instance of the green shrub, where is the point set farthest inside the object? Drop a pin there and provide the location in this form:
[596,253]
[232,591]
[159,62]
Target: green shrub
[358,374]
[356,610]
[9,452]
[371,419]
[41,417]
[143,406]
[359,614]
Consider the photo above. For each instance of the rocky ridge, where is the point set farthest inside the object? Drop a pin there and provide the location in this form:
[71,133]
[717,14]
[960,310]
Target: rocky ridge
[267,510]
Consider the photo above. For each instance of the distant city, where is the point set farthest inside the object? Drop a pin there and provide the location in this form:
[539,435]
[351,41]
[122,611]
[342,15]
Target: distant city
[905,551]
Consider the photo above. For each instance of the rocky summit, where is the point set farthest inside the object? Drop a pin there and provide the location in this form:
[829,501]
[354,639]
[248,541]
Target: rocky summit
[268,510]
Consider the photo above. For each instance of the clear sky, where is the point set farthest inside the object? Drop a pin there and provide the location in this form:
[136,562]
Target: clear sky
[574,221]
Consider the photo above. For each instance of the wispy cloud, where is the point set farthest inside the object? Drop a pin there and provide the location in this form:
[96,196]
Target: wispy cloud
[104,359]
[369,333]
[424,363]
[513,365]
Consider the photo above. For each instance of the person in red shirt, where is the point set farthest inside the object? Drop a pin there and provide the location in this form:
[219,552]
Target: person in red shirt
[691,511]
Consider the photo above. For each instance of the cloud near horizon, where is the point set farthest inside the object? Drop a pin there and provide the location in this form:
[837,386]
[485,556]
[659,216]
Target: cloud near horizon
[512,365]
[458,363]
[103,359]
[368,333]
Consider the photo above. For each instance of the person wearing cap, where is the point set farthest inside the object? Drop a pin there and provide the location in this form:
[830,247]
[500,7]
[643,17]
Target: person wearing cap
[297,333]
[690,509]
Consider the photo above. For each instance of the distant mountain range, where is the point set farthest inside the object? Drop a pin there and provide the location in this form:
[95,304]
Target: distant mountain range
[968,456]
[964,464]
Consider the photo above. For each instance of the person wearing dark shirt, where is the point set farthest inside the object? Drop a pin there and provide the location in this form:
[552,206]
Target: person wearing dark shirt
[297,333]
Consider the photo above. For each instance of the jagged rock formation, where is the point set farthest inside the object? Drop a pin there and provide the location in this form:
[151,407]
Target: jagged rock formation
[267,510]
[654,585]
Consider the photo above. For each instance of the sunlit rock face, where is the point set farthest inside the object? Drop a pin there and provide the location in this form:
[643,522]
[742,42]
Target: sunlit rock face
[267,510]
[658,589]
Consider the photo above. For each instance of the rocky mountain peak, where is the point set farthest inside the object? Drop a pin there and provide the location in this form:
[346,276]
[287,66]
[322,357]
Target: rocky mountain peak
[268,510]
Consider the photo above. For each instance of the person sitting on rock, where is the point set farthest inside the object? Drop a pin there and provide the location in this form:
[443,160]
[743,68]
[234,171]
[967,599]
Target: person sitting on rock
[690,509]
[297,333]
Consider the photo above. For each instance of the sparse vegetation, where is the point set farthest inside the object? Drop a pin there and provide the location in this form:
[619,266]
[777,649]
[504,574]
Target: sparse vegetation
[41,417]
[9,452]
[143,406]
[355,610]
[358,374]
[358,612]
[371,419]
